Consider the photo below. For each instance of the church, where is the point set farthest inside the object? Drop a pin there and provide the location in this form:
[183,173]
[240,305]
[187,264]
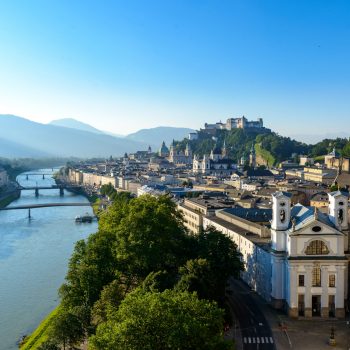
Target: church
[217,163]
[298,263]
[179,157]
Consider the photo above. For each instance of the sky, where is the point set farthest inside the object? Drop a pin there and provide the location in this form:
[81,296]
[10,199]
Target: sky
[125,65]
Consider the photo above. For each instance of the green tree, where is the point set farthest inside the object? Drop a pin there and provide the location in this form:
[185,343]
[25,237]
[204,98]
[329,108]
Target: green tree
[91,267]
[197,276]
[158,321]
[49,345]
[111,297]
[222,256]
[66,329]
[151,237]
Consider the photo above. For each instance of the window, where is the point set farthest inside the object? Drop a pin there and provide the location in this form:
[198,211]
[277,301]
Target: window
[301,280]
[282,215]
[331,279]
[316,277]
[317,247]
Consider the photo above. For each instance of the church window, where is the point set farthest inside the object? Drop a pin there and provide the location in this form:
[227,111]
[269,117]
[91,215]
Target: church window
[283,215]
[282,204]
[317,247]
[316,277]
[341,203]
[340,215]
[301,280]
[331,280]
[316,229]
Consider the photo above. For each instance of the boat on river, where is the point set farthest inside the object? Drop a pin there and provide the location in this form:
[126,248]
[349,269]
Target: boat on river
[84,218]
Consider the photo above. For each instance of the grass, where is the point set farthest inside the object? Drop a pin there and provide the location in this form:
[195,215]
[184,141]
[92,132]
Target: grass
[319,159]
[265,154]
[41,334]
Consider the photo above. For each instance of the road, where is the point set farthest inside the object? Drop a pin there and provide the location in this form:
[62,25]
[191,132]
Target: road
[256,332]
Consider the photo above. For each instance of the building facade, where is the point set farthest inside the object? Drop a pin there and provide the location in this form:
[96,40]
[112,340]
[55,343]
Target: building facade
[300,263]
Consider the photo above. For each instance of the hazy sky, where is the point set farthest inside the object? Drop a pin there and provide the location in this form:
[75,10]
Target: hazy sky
[126,65]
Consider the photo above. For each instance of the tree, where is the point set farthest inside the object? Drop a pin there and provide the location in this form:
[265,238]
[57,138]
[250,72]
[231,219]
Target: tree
[49,345]
[66,329]
[151,237]
[222,256]
[158,321]
[111,297]
[91,267]
[197,276]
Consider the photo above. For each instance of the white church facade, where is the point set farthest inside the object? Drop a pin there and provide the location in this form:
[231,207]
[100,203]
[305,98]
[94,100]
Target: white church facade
[300,263]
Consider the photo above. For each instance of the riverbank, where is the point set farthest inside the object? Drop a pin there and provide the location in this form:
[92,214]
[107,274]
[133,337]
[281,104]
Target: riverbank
[41,334]
[8,197]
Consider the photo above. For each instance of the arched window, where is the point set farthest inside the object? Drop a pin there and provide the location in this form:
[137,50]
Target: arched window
[317,247]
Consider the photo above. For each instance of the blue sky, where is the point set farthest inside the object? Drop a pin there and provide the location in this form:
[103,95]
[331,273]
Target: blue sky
[126,65]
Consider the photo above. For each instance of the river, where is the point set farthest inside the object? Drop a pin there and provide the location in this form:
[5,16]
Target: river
[34,256]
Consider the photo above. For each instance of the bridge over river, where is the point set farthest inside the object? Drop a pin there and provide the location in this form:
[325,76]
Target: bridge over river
[44,205]
[60,187]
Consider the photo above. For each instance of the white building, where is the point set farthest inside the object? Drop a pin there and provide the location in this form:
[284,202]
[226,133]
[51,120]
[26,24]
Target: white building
[216,163]
[301,263]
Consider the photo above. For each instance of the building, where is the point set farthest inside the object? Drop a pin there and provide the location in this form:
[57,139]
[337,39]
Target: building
[235,123]
[163,151]
[298,263]
[216,163]
[179,157]
[194,209]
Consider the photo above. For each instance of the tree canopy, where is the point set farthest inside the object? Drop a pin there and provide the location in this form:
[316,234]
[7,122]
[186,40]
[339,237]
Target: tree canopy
[167,320]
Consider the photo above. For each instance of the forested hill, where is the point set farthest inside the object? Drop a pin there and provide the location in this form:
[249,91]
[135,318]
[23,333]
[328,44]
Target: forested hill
[270,147]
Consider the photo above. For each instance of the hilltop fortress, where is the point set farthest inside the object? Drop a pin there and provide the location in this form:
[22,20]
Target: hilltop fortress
[231,123]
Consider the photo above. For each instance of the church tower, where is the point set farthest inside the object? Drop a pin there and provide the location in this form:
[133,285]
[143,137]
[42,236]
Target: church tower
[281,210]
[224,150]
[188,151]
[338,209]
[252,157]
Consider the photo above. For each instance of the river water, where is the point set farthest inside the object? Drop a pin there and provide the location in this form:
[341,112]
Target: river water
[34,256]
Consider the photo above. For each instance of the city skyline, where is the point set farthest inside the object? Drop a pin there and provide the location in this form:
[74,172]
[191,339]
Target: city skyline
[122,67]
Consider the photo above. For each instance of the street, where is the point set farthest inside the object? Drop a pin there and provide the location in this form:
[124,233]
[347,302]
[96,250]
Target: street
[256,332]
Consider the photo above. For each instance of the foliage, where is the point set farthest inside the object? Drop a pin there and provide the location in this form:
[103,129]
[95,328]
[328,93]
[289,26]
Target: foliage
[67,329]
[49,345]
[326,146]
[346,150]
[111,297]
[271,146]
[91,267]
[167,320]
[222,257]
[142,243]
[151,237]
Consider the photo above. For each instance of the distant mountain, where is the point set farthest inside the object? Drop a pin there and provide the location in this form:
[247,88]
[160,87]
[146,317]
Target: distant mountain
[10,149]
[75,124]
[23,136]
[155,136]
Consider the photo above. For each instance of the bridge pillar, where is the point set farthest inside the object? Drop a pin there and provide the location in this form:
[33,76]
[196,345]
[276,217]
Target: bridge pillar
[29,216]
[43,176]
[61,191]
[36,192]
[27,177]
